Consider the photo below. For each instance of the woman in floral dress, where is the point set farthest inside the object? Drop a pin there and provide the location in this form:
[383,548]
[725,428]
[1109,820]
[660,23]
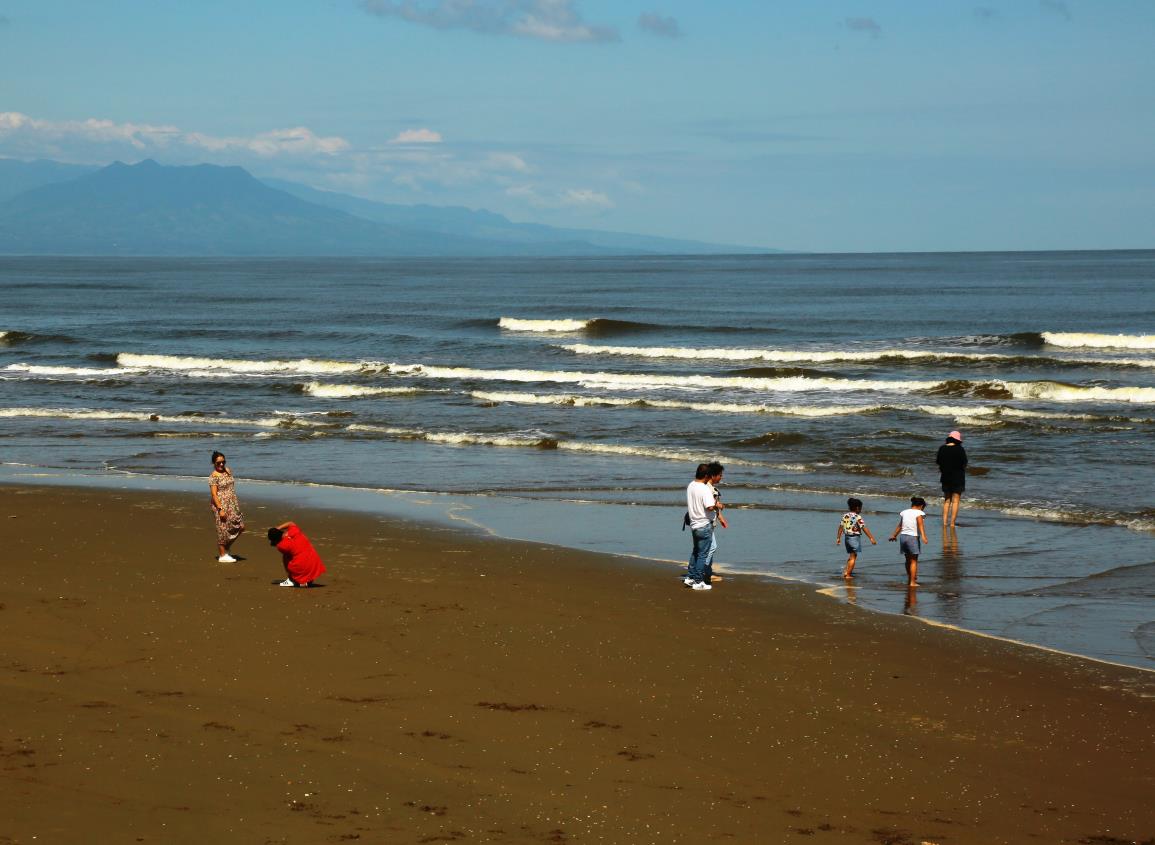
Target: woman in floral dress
[230,522]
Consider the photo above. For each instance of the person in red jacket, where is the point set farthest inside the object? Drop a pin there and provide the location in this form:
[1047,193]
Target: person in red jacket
[302,563]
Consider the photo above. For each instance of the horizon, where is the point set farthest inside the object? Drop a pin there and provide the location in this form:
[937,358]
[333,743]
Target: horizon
[873,129]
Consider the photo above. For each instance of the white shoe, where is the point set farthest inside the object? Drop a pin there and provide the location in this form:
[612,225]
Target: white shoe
[226,559]
[288,582]
[702,585]
[689,582]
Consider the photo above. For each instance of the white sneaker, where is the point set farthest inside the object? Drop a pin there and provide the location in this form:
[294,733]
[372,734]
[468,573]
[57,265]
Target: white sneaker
[689,582]
[702,585]
[226,559]
[288,582]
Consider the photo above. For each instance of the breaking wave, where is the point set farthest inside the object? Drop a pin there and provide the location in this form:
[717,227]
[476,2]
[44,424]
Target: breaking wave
[353,391]
[513,324]
[986,413]
[817,356]
[599,327]
[1081,340]
[283,421]
[232,365]
[672,404]
[627,381]
[777,356]
[88,372]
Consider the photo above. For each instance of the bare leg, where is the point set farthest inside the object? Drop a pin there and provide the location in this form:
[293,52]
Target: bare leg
[911,571]
[849,571]
[956,500]
[946,500]
[222,550]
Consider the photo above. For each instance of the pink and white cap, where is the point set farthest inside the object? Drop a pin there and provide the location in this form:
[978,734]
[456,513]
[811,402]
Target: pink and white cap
[957,435]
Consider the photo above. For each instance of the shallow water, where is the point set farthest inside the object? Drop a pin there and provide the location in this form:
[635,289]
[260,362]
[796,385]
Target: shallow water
[545,383]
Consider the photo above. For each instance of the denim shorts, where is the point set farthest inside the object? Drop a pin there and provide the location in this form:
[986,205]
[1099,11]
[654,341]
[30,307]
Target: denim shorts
[909,545]
[852,543]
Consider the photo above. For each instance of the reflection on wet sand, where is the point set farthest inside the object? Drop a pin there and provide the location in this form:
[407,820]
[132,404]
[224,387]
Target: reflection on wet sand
[908,606]
[950,577]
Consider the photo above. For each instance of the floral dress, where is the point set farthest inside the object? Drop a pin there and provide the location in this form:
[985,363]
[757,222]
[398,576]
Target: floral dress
[229,528]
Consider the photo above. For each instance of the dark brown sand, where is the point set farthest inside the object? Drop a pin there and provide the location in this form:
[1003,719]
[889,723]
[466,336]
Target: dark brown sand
[447,688]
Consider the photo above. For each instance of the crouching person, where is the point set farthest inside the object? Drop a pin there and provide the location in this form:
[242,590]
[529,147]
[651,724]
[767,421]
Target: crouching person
[302,563]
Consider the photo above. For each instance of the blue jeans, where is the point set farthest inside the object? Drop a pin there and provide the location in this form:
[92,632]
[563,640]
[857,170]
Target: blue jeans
[702,557]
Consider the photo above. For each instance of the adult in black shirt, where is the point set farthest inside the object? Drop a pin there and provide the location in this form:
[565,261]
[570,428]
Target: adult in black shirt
[952,467]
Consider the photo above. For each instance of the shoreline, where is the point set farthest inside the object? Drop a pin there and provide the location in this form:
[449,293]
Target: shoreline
[440,509]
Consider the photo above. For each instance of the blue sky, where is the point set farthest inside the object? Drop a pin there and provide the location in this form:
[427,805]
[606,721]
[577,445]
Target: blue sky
[839,126]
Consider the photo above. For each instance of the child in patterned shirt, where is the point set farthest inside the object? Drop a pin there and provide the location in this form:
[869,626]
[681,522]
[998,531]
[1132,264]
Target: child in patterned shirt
[850,531]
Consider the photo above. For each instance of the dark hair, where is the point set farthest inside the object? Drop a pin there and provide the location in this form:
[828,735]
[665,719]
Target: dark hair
[217,455]
[275,535]
[714,468]
[918,500]
[953,440]
[702,471]
[853,504]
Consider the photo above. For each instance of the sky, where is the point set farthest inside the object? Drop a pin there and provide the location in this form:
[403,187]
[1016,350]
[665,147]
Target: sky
[865,126]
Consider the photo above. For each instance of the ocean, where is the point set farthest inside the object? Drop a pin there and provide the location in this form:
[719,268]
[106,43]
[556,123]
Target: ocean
[569,400]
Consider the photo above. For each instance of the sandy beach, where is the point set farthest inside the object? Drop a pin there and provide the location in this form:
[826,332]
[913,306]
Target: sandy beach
[447,687]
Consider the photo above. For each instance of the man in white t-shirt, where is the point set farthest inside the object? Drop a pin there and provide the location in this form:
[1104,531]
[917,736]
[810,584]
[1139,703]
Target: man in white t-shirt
[702,507]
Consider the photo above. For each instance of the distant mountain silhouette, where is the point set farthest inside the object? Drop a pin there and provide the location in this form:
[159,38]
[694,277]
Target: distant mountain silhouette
[150,209]
[19,176]
[492,227]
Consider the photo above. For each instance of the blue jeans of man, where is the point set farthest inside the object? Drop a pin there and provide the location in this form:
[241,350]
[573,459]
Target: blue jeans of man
[702,557]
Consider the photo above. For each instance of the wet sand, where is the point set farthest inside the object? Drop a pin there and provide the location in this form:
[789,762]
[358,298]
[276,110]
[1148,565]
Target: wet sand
[445,687]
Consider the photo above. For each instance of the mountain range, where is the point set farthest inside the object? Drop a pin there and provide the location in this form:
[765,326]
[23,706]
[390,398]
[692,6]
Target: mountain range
[50,208]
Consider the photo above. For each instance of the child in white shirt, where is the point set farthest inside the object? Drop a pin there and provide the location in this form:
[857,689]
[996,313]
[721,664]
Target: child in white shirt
[911,529]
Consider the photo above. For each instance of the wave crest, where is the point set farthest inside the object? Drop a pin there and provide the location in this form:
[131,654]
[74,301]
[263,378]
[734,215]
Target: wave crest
[234,365]
[1085,340]
[353,391]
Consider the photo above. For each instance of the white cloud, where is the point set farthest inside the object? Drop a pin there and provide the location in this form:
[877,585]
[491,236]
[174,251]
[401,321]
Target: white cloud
[572,198]
[415,165]
[508,161]
[417,136]
[21,134]
[544,20]
[585,198]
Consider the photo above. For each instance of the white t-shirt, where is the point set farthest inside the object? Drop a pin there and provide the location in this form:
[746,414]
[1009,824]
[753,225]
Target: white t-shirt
[699,496]
[909,519]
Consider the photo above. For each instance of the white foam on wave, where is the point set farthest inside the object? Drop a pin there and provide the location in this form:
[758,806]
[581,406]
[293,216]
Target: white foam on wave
[1086,340]
[456,438]
[353,391]
[515,324]
[776,356]
[95,372]
[974,414]
[538,440]
[233,365]
[146,417]
[627,381]
[1051,391]
[673,404]
[816,356]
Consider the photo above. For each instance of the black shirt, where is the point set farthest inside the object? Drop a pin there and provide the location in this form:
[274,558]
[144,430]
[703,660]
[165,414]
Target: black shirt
[952,463]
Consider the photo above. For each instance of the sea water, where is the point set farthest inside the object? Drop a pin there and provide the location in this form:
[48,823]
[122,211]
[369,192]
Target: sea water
[569,400]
